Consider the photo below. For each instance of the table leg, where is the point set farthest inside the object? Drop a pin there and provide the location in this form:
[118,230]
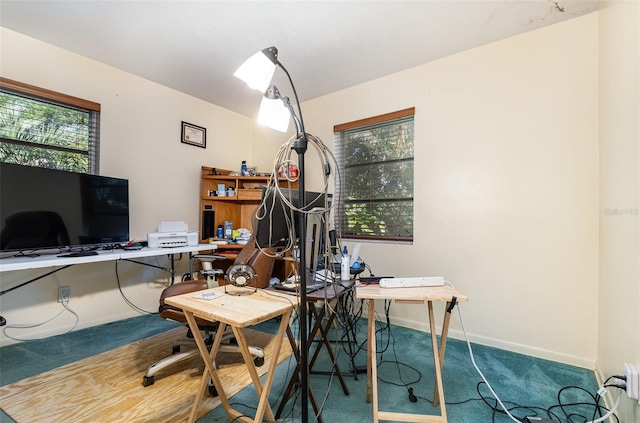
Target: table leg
[208,357]
[436,361]
[263,391]
[443,346]
[372,365]
[324,331]
[190,264]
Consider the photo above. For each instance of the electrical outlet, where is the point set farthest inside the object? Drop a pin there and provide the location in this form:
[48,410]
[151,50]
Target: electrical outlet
[64,294]
[633,385]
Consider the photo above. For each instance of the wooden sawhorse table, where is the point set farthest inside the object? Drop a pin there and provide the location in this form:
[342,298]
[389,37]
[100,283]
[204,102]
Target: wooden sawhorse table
[415,296]
[237,311]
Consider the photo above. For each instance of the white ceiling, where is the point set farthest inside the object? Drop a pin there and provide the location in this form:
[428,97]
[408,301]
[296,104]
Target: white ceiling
[195,46]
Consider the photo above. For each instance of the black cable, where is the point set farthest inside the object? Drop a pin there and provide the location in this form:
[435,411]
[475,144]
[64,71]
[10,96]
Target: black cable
[412,396]
[492,403]
[598,409]
[349,318]
[284,296]
[124,297]
[569,415]
[399,364]
[362,346]
[391,342]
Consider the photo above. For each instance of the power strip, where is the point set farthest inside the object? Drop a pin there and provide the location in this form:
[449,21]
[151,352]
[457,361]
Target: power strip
[411,282]
[633,384]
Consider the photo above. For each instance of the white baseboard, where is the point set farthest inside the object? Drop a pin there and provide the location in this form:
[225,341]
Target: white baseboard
[34,333]
[505,345]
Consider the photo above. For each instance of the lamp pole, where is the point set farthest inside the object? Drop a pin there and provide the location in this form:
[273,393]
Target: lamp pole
[264,63]
[300,146]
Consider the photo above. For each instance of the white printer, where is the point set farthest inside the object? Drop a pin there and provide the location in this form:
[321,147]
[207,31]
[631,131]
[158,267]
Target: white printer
[172,234]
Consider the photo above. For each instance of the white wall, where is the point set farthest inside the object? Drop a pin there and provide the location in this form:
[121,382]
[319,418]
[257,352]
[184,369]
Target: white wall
[140,141]
[506,195]
[619,299]
[506,192]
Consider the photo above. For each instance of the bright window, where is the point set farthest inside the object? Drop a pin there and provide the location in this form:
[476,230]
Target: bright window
[375,192]
[43,128]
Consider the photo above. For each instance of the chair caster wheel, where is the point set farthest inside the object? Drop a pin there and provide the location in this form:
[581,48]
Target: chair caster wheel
[148,380]
[258,361]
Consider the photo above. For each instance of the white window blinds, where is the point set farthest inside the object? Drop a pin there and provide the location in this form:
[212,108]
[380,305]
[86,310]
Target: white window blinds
[375,156]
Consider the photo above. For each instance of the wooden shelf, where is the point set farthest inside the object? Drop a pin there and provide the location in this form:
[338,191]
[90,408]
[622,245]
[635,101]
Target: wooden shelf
[239,208]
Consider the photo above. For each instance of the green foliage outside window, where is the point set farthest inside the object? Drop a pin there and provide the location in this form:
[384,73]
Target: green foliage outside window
[39,133]
[377,165]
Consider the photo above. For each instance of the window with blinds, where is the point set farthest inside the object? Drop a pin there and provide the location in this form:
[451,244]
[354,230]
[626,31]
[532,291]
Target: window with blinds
[43,128]
[375,191]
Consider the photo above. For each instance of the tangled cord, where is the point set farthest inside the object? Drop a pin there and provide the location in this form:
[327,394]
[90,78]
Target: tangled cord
[284,158]
[567,409]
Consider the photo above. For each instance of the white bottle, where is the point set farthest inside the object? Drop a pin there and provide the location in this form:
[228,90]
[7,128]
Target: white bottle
[345,271]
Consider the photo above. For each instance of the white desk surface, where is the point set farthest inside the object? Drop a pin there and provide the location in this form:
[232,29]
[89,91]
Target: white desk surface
[9,264]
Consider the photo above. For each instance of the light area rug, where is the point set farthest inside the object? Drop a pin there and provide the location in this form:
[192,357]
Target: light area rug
[108,387]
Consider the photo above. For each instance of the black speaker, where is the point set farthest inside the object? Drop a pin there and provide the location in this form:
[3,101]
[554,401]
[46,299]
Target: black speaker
[208,229]
[333,242]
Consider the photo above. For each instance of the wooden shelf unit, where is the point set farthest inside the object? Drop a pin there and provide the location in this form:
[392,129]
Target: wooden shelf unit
[239,208]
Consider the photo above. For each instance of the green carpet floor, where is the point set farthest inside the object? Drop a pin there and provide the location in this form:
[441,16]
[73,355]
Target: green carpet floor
[527,385]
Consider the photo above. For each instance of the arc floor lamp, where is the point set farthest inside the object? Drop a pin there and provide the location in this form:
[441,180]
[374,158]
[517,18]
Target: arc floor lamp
[257,72]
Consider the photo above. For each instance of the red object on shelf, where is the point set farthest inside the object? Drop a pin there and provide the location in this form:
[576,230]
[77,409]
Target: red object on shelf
[290,171]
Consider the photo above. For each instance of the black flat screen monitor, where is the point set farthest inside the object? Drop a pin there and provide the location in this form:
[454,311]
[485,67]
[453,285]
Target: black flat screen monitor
[52,209]
[275,218]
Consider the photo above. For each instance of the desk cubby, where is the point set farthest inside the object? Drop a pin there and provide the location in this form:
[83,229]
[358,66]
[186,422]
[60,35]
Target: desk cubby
[238,208]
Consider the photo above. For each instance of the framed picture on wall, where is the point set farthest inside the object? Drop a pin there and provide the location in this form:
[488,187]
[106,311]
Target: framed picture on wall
[194,135]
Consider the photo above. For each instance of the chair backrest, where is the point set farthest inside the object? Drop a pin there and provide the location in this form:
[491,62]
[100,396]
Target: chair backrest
[262,263]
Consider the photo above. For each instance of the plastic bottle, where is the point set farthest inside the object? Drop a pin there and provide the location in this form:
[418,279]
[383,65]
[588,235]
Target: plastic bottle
[345,271]
[243,168]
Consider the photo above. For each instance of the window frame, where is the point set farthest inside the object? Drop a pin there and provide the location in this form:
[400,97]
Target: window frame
[42,94]
[340,190]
